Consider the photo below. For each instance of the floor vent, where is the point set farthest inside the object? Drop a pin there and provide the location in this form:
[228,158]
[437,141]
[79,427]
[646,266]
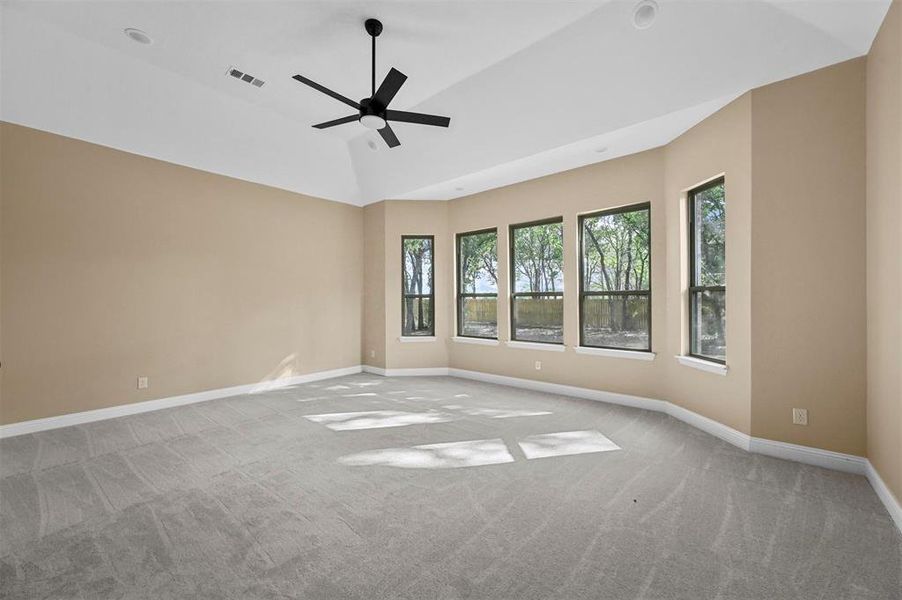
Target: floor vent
[245,77]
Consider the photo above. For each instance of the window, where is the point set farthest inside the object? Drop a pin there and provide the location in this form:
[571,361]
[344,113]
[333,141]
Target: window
[707,281]
[477,284]
[615,275]
[418,296]
[537,281]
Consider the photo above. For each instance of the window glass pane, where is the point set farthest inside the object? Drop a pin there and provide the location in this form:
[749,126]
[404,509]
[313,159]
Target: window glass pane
[710,229]
[709,324]
[478,263]
[539,258]
[616,321]
[616,252]
[539,319]
[417,316]
[479,317]
[417,266]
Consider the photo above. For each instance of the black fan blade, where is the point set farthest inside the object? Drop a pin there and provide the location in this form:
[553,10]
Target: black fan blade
[419,118]
[326,91]
[390,86]
[389,136]
[341,121]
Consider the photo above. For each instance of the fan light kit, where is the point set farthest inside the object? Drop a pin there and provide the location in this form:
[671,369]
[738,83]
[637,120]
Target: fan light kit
[373,112]
[372,121]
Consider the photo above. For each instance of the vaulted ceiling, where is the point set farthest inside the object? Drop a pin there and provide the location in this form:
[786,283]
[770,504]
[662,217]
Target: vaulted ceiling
[531,87]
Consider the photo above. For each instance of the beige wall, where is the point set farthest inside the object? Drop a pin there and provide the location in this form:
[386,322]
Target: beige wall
[115,266]
[884,251]
[372,350]
[792,155]
[417,218]
[808,258]
[630,180]
[2,370]
[719,145]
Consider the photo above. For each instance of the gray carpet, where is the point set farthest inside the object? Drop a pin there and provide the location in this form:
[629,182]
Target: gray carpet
[367,487]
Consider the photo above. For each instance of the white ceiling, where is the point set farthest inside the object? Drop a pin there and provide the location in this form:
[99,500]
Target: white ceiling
[531,87]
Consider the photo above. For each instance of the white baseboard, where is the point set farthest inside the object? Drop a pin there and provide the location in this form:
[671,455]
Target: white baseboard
[715,428]
[804,454]
[422,372]
[561,389]
[892,504]
[35,425]
[811,456]
[728,434]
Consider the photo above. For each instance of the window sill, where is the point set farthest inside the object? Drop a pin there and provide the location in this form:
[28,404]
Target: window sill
[702,365]
[536,346]
[614,353]
[416,338]
[474,340]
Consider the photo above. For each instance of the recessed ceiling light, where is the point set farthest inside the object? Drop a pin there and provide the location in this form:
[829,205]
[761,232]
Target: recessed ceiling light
[371,144]
[644,14]
[458,189]
[138,36]
[602,149]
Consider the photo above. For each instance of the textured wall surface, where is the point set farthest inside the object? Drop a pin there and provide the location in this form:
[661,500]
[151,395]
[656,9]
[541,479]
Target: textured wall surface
[808,258]
[116,265]
[884,250]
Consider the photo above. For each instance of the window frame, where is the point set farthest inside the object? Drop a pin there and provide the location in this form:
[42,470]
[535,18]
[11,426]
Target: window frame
[583,293]
[430,295]
[512,280]
[692,287]
[461,295]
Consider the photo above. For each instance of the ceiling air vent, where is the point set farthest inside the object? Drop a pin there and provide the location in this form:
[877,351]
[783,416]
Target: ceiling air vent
[245,77]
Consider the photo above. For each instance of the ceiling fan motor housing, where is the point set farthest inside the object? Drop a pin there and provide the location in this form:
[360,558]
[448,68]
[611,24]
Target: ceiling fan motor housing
[368,107]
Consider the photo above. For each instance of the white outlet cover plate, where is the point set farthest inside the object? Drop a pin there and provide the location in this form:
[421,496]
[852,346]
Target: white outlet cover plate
[800,416]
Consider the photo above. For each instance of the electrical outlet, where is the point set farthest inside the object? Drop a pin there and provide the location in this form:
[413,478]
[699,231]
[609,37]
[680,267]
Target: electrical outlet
[372,354]
[538,365]
[800,416]
[143,383]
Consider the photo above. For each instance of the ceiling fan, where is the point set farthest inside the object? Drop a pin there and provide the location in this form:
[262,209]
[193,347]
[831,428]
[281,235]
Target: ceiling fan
[373,112]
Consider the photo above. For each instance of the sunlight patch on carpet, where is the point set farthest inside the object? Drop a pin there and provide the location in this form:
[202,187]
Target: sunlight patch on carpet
[447,455]
[495,413]
[566,443]
[376,419]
